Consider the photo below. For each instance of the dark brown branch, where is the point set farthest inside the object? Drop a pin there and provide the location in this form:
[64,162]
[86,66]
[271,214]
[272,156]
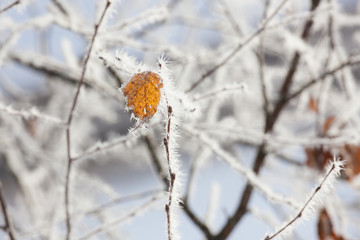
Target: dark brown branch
[245,198]
[55,69]
[60,6]
[13,4]
[150,143]
[197,221]
[261,153]
[304,207]
[120,200]
[159,169]
[231,19]
[348,63]
[261,59]
[115,75]
[69,121]
[172,175]
[129,215]
[237,49]
[8,224]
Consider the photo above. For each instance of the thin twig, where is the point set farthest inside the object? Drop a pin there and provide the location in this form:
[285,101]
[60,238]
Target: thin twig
[131,214]
[305,206]
[172,175]
[150,143]
[230,18]
[261,59]
[191,173]
[236,49]
[69,121]
[33,113]
[262,153]
[9,6]
[61,7]
[7,227]
[349,62]
[99,147]
[214,93]
[48,66]
[159,170]
[248,173]
[123,199]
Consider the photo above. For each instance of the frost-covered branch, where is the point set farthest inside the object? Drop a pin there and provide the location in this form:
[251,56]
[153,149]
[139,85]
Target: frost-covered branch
[13,4]
[240,46]
[350,62]
[139,210]
[155,159]
[325,185]
[184,204]
[264,87]
[33,113]
[8,227]
[103,146]
[224,90]
[250,176]
[69,121]
[261,60]
[172,178]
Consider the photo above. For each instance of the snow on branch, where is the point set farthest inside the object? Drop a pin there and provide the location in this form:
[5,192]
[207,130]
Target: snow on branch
[222,91]
[13,4]
[326,184]
[150,16]
[32,113]
[171,124]
[139,210]
[8,227]
[249,174]
[240,46]
[103,146]
[69,121]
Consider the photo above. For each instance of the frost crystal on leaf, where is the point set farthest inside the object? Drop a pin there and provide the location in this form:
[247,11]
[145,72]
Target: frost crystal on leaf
[143,94]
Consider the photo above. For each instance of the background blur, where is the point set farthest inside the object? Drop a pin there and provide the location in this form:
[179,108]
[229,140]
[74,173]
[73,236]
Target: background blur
[42,46]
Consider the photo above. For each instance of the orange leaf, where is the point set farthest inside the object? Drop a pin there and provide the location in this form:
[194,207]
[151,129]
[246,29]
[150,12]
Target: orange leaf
[318,157]
[327,124]
[143,94]
[351,153]
[325,227]
[313,105]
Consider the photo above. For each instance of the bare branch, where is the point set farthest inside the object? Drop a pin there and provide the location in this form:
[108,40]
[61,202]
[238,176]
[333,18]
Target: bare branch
[150,143]
[13,4]
[8,224]
[349,62]
[131,214]
[261,153]
[310,199]
[261,59]
[100,147]
[69,121]
[237,49]
[214,93]
[33,113]
[230,18]
[172,175]
[160,172]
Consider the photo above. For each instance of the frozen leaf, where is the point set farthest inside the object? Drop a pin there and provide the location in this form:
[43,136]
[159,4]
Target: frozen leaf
[313,105]
[318,157]
[325,227]
[327,124]
[143,94]
[352,155]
